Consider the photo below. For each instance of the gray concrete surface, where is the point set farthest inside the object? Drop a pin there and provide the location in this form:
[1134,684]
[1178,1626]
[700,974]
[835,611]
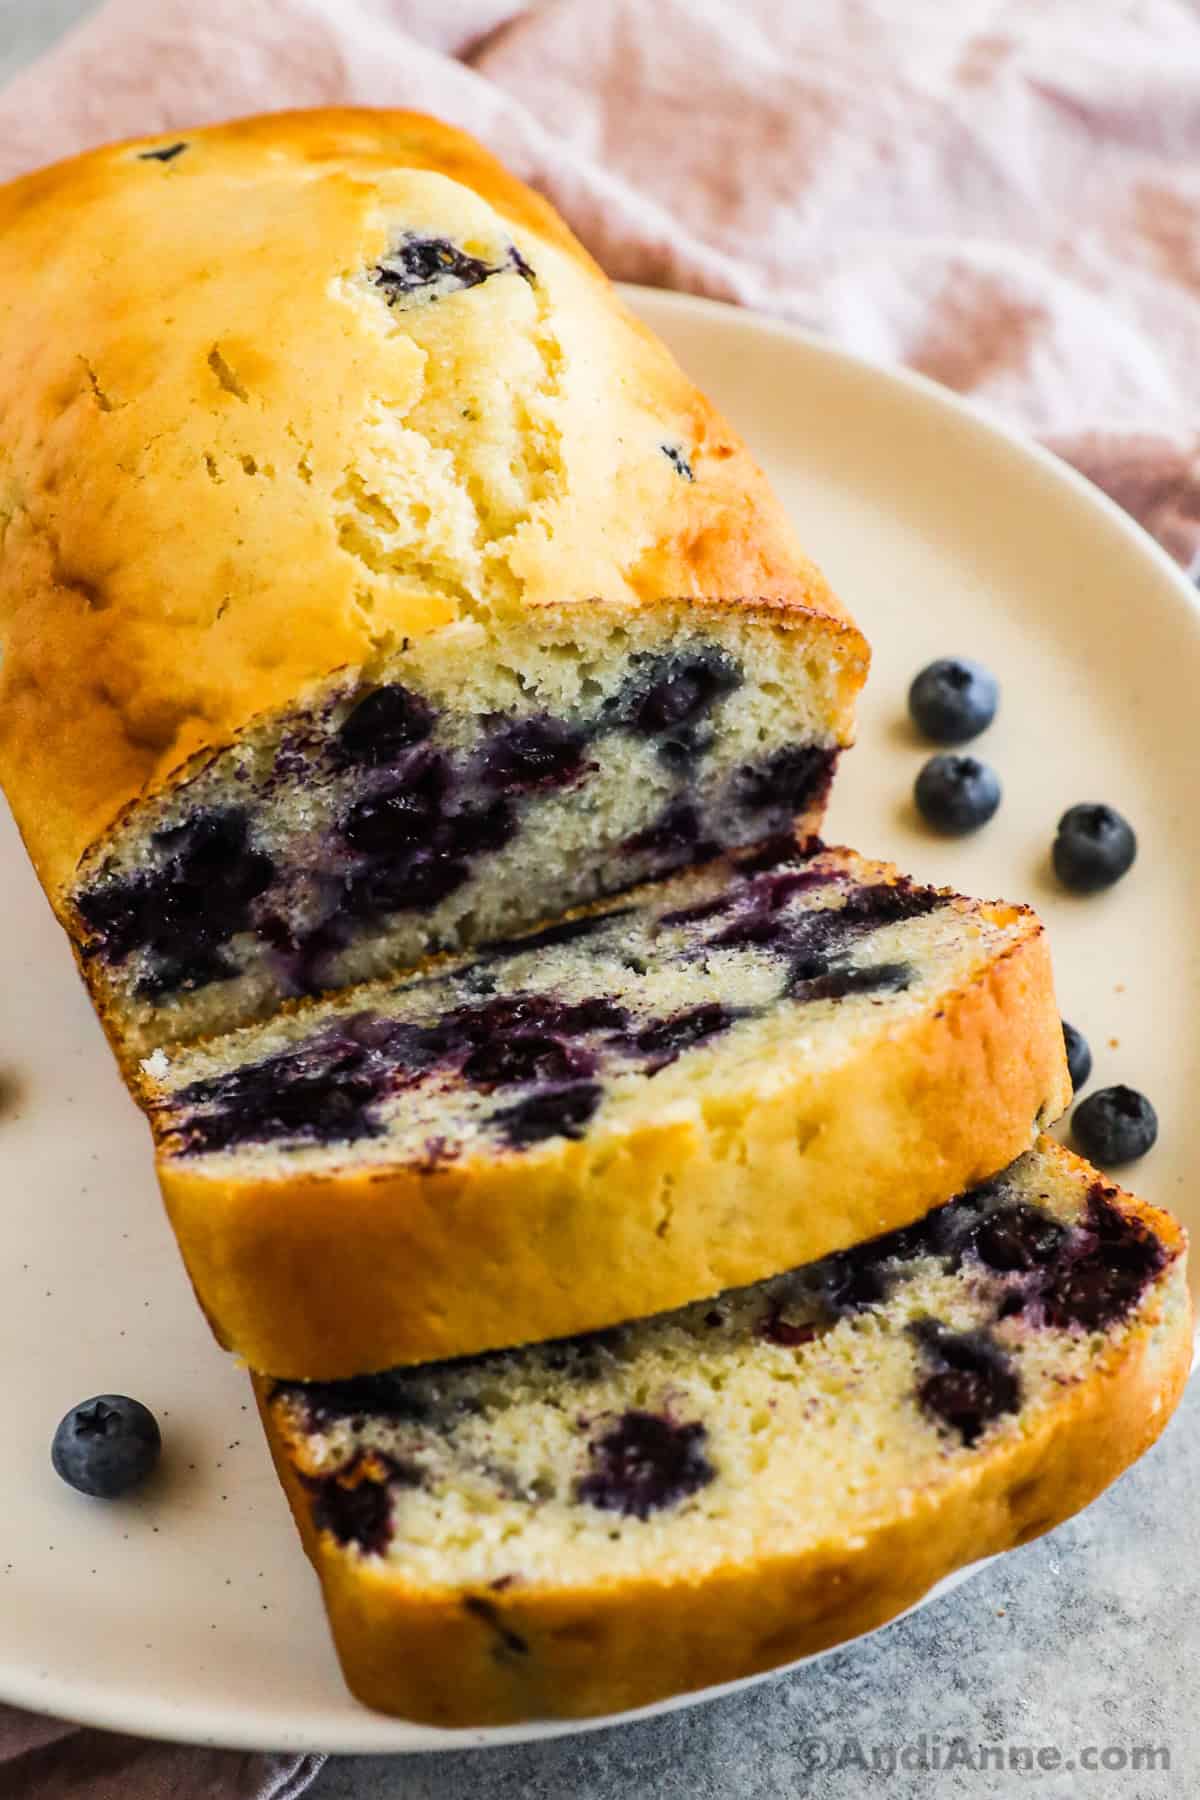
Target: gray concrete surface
[1085,1644]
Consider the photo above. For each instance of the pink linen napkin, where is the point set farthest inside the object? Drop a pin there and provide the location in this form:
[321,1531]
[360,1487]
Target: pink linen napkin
[1004,194]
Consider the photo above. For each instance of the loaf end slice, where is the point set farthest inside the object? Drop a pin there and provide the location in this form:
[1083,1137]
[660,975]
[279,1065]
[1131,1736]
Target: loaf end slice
[373,582]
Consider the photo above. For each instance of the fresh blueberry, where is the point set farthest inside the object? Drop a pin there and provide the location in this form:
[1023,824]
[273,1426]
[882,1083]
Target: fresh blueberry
[1114,1125]
[1079,1056]
[1095,846]
[106,1446]
[956,794]
[953,699]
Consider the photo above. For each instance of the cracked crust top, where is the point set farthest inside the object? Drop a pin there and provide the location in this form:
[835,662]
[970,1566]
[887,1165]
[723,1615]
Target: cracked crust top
[217,399]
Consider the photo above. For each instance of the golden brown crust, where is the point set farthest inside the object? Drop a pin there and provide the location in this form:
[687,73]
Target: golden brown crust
[429,1657]
[183,393]
[325,1276]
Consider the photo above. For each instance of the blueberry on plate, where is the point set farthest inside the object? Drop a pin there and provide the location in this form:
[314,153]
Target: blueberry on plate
[1114,1125]
[1079,1056]
[1095,846]
[106,1446]
[956,794]
[953,699]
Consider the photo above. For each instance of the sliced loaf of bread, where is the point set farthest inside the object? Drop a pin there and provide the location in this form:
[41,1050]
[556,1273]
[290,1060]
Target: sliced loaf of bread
[694,1086]
[591,1525]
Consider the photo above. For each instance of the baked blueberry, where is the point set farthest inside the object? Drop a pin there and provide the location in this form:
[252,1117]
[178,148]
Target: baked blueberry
[789,781]
[1094,847]
[1114,1125]
[559,1112]
[106,1446]
[678,461]
[953,699]
[971,1380]
[356,1503]
[1017,1236]
[1079,1056]
[167,154]
[533,753]
[385,723]
[526,1056]
[645,1463]
[956,794]
[401,815]
[1094,1288]
[688,688]
[429,267]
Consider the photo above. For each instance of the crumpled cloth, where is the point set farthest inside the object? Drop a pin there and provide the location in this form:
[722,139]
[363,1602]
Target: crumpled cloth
[1004,194]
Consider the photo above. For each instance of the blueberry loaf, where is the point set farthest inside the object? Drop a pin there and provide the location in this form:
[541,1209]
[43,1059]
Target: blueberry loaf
[373,583]
[698,1084]
[748,1480]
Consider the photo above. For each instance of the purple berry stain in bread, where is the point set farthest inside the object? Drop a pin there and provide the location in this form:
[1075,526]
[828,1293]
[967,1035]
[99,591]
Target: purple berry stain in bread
[970,1381]
[644,1463]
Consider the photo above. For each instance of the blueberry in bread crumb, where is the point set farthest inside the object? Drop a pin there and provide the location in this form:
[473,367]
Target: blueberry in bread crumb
[953,699]
[106,1446]
[387,721]
[971,1380]
[679,461]
[645,1463]
[956,794]
[426,268]
[167,154]
[1079,1055]
[1115,1125]
[1094,847]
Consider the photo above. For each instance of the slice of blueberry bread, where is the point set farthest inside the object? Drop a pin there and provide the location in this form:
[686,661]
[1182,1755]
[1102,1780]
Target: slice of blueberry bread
[696,1085]
[746,1481]
[373,583]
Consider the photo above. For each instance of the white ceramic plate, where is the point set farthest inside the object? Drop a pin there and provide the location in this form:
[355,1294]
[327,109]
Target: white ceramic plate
[190,1612]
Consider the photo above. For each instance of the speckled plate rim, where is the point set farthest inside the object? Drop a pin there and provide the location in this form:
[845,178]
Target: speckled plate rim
[344,1727]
